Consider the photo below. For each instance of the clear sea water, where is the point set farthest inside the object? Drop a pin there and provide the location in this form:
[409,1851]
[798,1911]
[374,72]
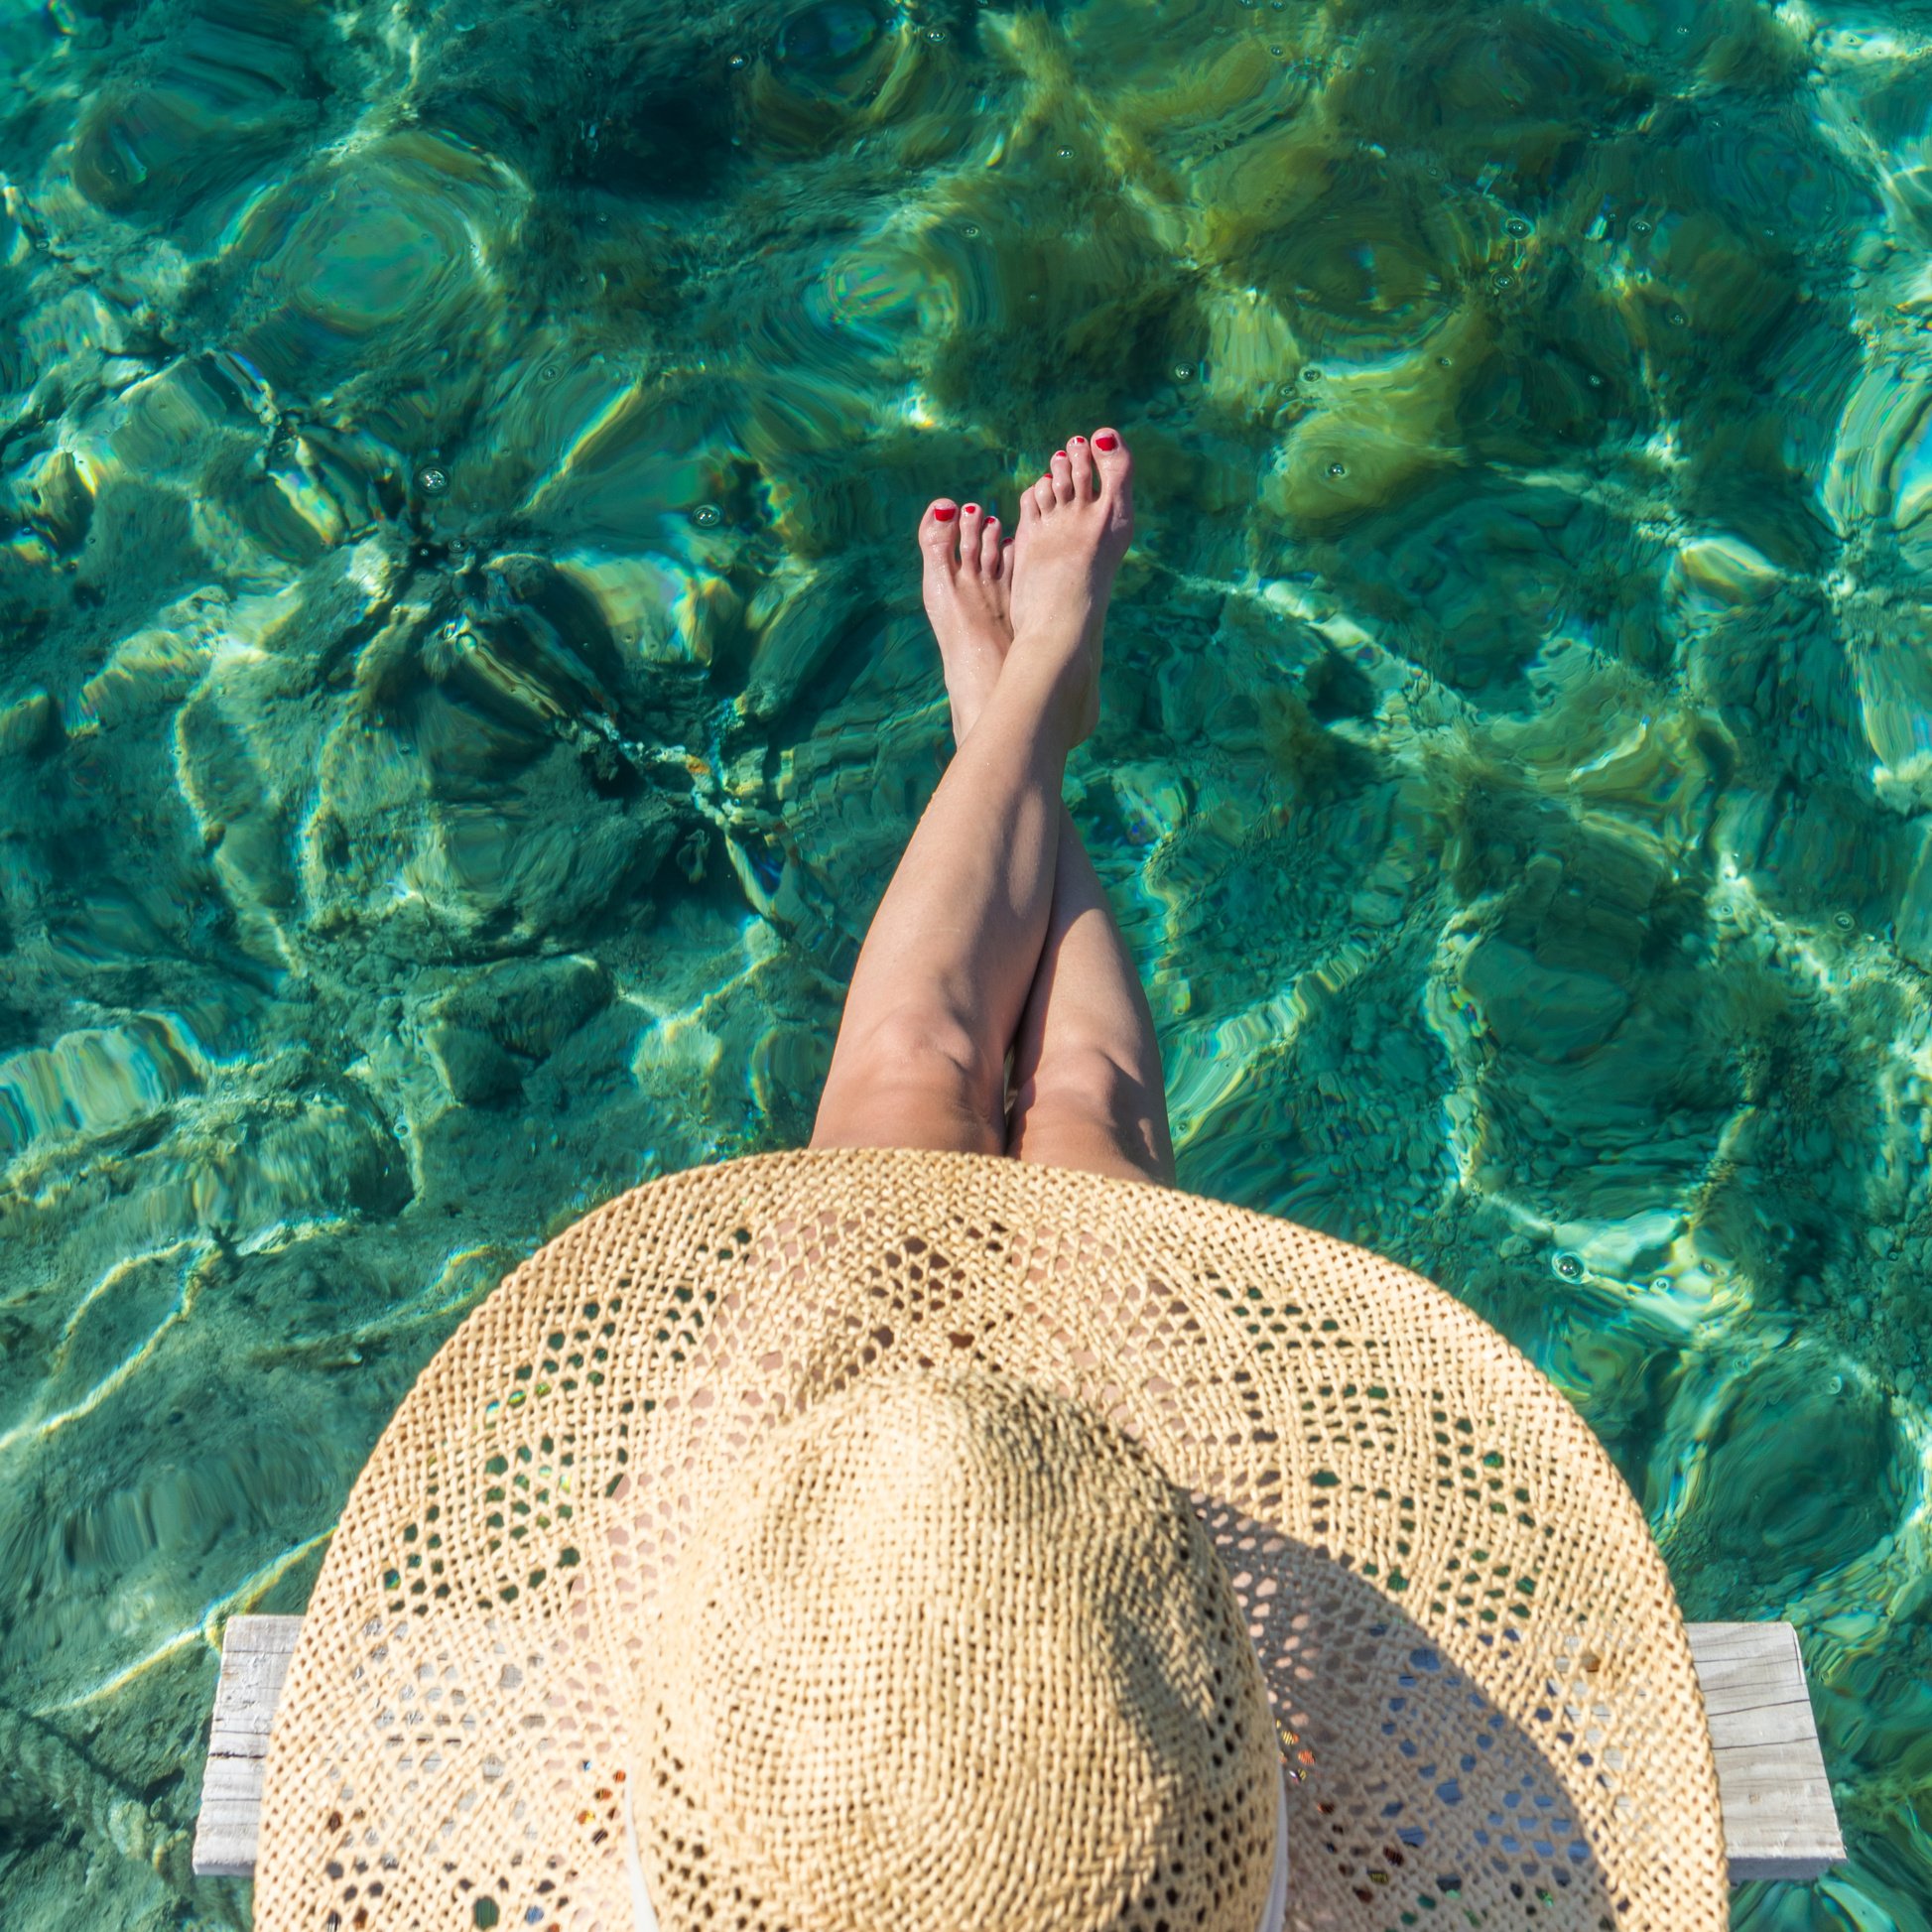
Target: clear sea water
[462,690]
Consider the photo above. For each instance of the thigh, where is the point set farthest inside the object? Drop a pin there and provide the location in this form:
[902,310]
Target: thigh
[1081,1141]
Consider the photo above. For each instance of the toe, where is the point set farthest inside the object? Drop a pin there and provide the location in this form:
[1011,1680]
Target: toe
[1117,479]
[1045,496]
[1111,459]
[972,517]
[992,552]
[1080,460]
[1062,472]
[939,534]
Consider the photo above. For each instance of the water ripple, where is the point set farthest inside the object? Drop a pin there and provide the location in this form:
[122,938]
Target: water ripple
[462,692]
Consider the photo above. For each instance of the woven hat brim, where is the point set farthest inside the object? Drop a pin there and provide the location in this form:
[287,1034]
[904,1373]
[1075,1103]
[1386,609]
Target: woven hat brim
[1463,1618]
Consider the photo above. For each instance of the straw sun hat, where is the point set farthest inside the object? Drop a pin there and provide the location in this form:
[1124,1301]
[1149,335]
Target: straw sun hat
[888,1542]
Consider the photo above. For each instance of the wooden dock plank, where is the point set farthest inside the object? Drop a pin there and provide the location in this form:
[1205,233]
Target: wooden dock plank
[255,1653]
[1779,1821]
[1778,1818]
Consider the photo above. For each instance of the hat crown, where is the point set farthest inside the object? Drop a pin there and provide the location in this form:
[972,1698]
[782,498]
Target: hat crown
[955,1648]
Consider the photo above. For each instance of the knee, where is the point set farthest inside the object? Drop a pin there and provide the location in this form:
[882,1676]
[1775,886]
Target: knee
[1089,1083]
[910,1049]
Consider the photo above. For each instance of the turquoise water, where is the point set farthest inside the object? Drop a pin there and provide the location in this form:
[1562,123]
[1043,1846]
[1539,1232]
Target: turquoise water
[462,690]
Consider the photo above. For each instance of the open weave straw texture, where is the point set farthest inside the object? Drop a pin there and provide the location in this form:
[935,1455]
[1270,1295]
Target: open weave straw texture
[1461,1617]
[957,1637]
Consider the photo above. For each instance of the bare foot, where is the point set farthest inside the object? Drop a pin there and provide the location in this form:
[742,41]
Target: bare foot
[1075,526]
[968,589]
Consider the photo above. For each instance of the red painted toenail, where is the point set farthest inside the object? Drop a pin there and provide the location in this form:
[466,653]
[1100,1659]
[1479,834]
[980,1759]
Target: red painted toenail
[973,509]
[1107,443]
[1080,439]
[944,513]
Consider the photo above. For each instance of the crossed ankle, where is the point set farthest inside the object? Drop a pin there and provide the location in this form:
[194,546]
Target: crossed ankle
[1039,689]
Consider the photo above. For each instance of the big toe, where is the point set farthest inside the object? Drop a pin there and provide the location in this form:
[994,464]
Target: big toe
[1116,468]
[939,534]
[1110,459]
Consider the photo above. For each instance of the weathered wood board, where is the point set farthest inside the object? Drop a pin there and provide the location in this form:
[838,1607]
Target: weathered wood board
[255,1653]
[1778,1816]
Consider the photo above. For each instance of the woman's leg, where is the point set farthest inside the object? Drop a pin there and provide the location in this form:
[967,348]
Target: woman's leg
[1087,1086]
[948,967]
[1088,1089]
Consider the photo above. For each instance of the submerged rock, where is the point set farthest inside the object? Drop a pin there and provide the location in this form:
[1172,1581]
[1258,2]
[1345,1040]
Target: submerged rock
[494,1028]
[1800,1470]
